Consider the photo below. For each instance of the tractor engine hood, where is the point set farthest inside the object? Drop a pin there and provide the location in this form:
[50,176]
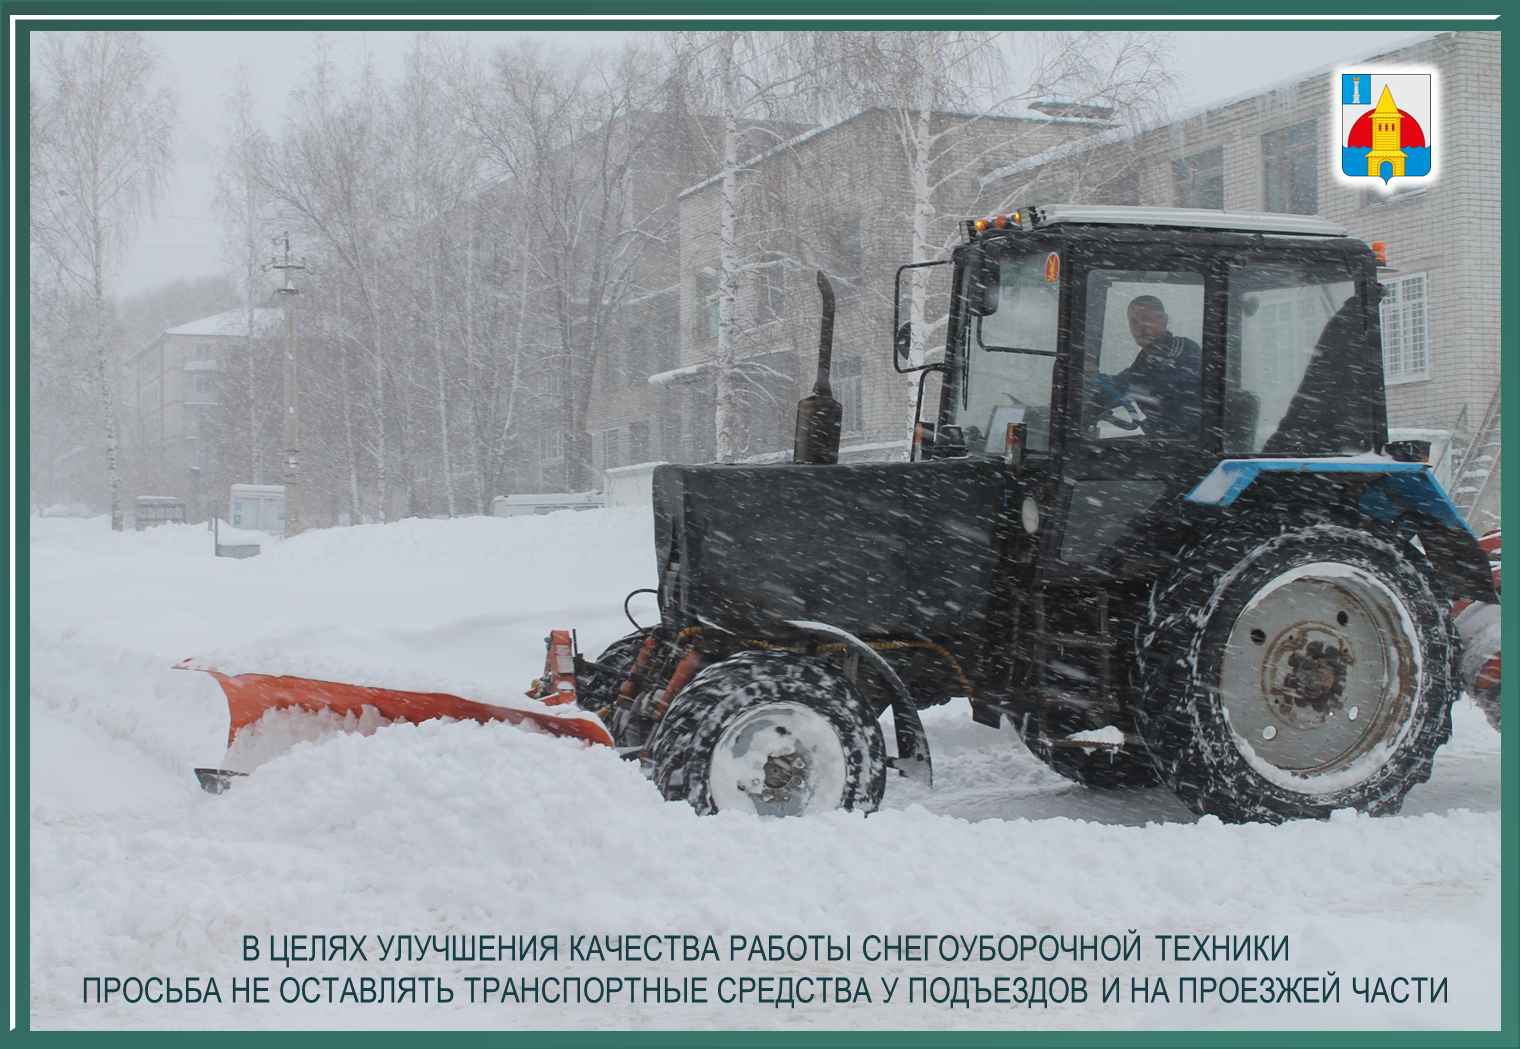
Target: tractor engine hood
[878,549]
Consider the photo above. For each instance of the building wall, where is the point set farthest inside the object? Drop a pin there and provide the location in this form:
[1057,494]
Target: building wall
[173,439]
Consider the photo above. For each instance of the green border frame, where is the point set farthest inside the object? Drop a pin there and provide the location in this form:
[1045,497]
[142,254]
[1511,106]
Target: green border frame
[465,15]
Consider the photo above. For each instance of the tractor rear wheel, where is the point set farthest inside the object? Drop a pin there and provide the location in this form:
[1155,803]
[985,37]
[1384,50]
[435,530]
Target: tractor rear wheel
[772,733]
[1488,702]
[1298,671]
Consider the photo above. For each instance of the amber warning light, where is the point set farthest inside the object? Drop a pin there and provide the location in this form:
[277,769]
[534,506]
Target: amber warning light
[1380,252]
[998,222]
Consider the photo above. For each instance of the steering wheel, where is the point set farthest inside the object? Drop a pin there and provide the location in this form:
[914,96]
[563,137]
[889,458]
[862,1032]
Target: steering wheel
[1136,420]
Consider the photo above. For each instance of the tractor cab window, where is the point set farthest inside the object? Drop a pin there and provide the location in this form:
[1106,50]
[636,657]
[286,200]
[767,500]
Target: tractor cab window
[1008,370]
[1296,367]
[1143,366]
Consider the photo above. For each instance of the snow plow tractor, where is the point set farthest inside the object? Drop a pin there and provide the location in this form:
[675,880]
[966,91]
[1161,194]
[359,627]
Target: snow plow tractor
[1151,519]
[1155,524]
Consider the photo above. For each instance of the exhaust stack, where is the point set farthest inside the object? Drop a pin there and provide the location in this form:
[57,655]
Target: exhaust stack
[819,416]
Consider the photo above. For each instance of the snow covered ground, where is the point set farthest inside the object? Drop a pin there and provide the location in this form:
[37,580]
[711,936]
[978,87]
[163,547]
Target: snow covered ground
[461,829]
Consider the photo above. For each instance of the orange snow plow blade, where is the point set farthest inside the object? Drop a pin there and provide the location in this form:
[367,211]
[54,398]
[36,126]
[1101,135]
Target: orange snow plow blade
[250,695]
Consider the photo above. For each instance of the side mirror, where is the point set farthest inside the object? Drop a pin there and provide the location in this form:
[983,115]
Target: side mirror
[986,282]
[902,345]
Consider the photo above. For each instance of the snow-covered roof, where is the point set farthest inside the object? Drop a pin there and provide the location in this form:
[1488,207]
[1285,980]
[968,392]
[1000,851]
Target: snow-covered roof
[232,324]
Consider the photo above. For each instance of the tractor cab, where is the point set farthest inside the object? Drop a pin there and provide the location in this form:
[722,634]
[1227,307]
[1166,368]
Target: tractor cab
[1114,357]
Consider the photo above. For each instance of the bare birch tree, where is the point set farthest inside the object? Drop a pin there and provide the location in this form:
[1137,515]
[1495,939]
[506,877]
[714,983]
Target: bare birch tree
[101,149]
[243,204]
[564,138]
[438,176]
[952,93]
[332,177]
[762,85]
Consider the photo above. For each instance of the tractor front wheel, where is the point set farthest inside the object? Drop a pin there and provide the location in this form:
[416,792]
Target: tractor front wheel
[597,689]
[771,733]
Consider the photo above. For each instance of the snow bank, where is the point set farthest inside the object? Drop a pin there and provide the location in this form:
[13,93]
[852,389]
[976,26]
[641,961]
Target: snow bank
[459,829]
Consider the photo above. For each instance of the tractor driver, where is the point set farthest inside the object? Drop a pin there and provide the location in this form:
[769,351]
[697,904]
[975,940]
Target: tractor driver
[1164,380]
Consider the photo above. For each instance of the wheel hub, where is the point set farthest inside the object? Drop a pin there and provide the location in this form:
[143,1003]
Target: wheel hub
[1318,670]
[784,773]
[778,759]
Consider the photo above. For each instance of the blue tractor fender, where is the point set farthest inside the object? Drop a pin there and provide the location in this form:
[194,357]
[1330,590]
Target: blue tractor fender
[1404,491]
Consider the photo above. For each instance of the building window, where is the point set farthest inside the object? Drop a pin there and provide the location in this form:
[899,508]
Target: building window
[849,387]
[611,450]
[203,350]
[704,437]
[670,436]
[638,442]
[848,248]
[668,342]
[1199,179]
[551,385]
[203,384]
[638,354]
[551,444]
[1290,169]
[1406,353]
[707,305]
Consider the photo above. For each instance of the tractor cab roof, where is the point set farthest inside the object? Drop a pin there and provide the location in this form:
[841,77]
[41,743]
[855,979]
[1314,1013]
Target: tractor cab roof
[1047,215]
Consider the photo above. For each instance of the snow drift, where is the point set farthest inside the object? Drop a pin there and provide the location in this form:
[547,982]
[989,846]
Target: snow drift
[458,829]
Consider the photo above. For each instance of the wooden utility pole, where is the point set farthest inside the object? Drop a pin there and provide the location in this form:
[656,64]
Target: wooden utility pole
[287,295]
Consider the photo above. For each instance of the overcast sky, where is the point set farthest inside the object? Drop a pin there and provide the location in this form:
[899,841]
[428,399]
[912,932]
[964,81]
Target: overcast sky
[184,239]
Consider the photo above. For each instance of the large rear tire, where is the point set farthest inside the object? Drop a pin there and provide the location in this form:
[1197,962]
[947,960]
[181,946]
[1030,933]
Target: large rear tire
[771,733]
[1488,702]
[1296,672]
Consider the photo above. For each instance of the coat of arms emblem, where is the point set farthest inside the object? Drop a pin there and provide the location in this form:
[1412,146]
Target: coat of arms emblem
[1386,125]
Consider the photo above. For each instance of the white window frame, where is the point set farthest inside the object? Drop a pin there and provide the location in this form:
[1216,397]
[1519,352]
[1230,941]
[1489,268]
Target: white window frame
[849,385]
[611,448]
[551,384]
[551,444]
[1405,316]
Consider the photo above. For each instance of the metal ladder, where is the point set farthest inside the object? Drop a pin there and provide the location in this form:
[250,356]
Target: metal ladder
[1478,466]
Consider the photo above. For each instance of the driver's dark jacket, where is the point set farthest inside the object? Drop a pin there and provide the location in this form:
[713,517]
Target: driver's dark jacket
[1167,386]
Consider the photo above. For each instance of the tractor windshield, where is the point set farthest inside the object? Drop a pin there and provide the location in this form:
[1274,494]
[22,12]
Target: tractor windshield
[1012,356]
[1298,377]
